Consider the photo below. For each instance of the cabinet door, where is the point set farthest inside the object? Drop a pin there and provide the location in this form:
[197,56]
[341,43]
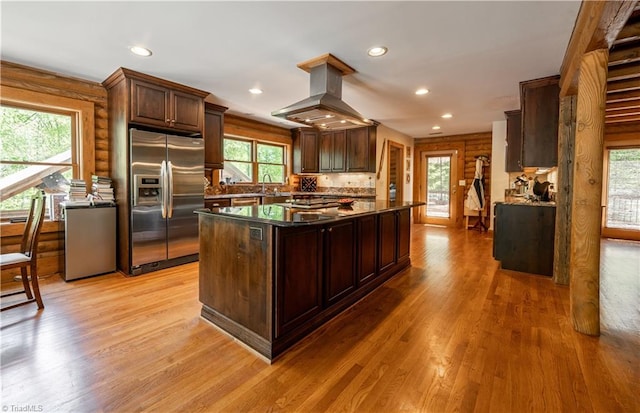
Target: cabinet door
[187,112]
[305,151]
[404,233]
[150,104]
[540,113]
[325,147]
[513,156]
[367,247]
[387,234]
[299,277]
[213,140]
[361,150]
[339,148]
[339,261]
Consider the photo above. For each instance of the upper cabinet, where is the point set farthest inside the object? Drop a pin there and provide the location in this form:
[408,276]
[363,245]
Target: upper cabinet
[213,136]
[150,101]
[513,156]
[350,150]
[361,149]
[540,103]
[332,146]
[305,150]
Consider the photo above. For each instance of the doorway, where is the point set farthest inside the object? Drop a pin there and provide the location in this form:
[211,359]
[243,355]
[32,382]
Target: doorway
[395,172]
[622,202]
[438,188]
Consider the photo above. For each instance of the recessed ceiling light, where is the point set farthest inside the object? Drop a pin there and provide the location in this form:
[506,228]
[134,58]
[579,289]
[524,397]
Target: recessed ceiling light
[140,51]
[447,116]
[255,91]
[377,51]
[435,127]
[422,91]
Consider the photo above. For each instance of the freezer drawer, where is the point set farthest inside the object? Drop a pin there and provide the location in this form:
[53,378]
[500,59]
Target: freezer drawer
[89,241]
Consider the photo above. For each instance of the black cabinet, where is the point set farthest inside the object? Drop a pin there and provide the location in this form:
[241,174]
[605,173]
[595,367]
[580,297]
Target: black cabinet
[513,155]
[523,238]
[305,151]
[540,103]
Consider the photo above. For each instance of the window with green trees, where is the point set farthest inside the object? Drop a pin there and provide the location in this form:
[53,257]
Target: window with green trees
[623,197]
[34,145]
[251,161]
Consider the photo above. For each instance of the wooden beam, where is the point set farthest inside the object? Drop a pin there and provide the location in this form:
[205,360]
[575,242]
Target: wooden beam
[597,26]
[622,112]
[624,72]
[624,55]
[630,118]
[566,145]
[626,104]
[586,211]
[623,86]
[622,96]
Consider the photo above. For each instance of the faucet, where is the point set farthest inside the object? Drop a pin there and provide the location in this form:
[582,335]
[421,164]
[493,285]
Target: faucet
[263,180]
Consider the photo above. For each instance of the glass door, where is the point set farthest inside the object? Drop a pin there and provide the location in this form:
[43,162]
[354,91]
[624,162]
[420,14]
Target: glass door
[438,188]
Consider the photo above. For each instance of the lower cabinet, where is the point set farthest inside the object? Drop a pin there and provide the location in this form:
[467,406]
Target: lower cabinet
[339,260]
[523,237]
[404,234]
[367,256]
[387,231]
[298,277]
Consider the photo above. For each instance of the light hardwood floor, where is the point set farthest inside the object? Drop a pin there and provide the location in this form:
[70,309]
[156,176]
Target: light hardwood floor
[451,333]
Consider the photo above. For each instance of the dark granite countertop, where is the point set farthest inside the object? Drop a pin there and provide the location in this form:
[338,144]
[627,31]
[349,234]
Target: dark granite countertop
[292,193]
[280,215]
[529,203]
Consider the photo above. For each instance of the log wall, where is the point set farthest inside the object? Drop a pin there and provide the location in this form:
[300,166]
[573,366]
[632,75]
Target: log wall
[51,246]
[470,146]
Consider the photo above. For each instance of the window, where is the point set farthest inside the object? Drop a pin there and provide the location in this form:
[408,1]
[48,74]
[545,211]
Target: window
[250,161]
[623,199]
[35,151]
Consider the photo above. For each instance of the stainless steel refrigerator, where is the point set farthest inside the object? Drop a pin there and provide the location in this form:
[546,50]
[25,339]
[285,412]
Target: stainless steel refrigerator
[167,186]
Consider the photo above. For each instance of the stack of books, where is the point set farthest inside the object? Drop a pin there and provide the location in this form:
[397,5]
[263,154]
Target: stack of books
[77,190]
[101,187]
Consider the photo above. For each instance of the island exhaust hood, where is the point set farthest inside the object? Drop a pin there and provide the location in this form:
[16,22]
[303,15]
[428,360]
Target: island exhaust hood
[324,109]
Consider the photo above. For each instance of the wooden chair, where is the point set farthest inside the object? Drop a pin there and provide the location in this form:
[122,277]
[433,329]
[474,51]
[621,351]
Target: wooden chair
[27,257]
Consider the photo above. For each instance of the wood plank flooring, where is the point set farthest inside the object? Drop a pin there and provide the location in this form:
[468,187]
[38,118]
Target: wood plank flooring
[451,333]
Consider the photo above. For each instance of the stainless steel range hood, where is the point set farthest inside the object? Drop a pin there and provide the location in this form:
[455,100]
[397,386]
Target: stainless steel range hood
[324,109]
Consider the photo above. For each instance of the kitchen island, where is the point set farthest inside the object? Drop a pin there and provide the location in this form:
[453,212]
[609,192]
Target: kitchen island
[271,274]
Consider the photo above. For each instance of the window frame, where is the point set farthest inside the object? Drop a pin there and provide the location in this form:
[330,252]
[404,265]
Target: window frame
[83,124]
[256,180]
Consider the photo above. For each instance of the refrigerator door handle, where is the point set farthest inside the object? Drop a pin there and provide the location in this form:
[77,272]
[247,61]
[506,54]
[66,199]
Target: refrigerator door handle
[170,194]
[163,195]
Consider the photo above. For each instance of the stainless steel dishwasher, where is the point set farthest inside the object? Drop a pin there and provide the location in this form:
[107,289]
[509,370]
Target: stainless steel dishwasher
[89,240]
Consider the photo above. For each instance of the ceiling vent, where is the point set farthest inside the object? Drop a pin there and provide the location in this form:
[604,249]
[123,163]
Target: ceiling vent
[324,109]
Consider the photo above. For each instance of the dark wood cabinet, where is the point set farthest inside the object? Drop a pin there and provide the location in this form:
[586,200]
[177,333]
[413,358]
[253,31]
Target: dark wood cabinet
[217,203]
[299,277]
[361,149]
[332,148]
[279,283]
[339,260]
[387,236]
[513,155]
[367,248]
[305,151]
[213,136]
[540,103]
[404,233]
[523,237]
[155,104]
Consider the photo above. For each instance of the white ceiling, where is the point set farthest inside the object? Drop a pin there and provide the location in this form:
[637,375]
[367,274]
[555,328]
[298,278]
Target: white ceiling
[471,55]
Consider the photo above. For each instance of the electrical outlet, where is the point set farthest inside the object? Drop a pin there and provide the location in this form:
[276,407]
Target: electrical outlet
[255,233]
